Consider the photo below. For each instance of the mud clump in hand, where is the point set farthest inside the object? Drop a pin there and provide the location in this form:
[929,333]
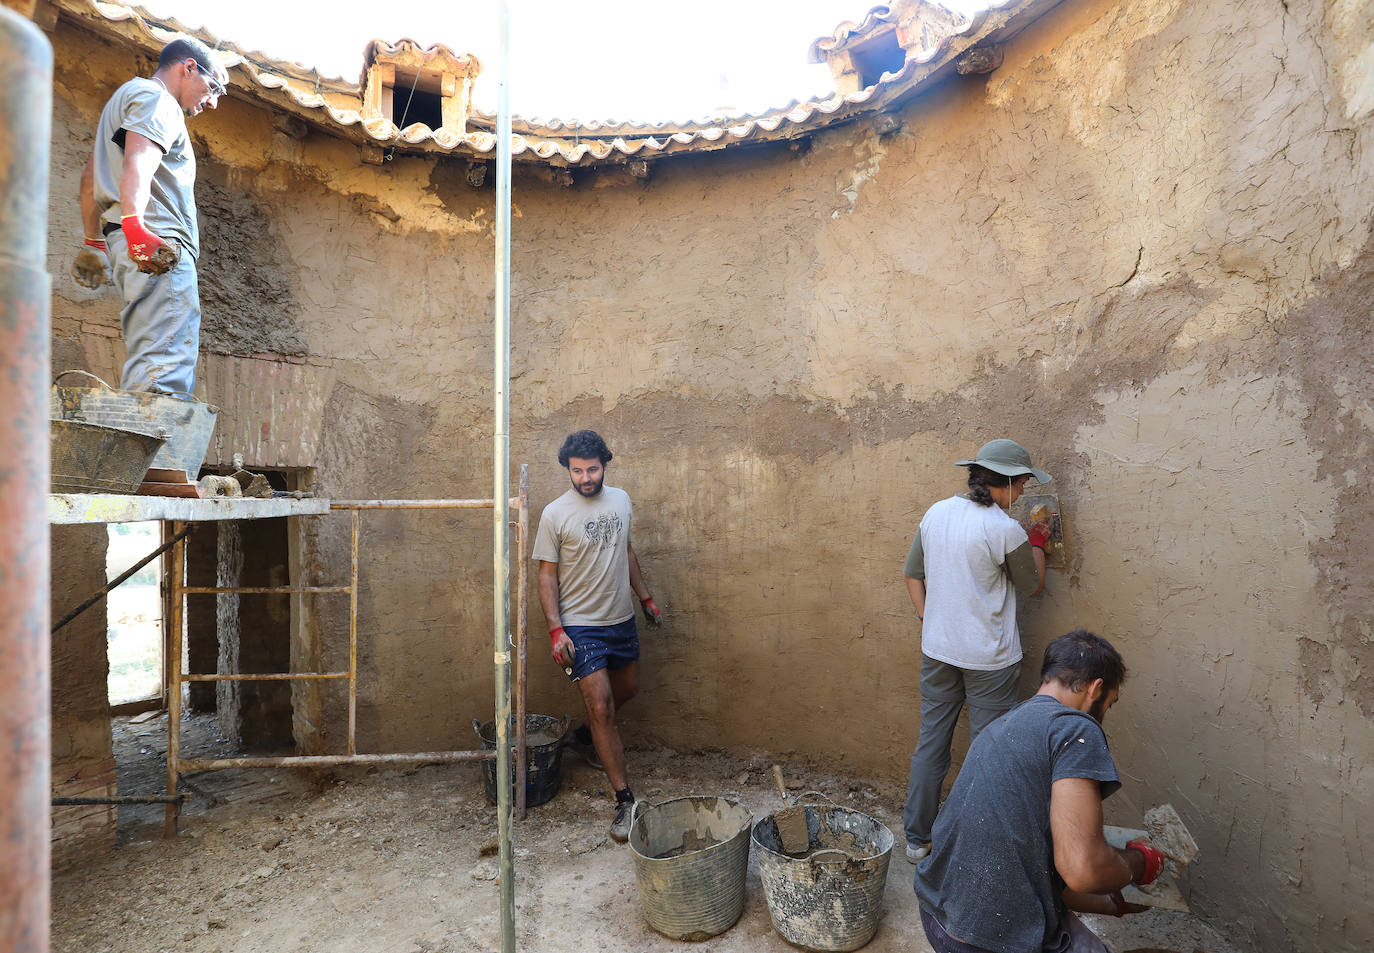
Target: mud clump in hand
[162,261]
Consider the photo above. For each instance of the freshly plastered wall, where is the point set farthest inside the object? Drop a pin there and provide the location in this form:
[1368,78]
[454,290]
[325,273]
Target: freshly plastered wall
[1142,247]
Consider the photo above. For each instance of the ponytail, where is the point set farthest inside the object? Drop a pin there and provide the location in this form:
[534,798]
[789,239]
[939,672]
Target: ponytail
[979,479]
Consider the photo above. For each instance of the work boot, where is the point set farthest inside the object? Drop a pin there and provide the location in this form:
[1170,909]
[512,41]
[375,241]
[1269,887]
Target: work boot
[915,853]
[624,814]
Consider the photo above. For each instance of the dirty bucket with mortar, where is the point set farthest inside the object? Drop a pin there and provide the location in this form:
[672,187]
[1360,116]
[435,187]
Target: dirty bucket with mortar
[828,897]
[545,736]
[691,855]
[189,423]
[89,458]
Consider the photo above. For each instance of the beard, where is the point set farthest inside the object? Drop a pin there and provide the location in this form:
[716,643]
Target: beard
[1098,709]
[588,488]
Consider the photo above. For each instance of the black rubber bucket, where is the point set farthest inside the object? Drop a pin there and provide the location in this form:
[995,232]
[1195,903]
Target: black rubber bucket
[545,736]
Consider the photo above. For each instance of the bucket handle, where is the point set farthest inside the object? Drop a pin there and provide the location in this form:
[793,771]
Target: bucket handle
[63,374]
[820,794]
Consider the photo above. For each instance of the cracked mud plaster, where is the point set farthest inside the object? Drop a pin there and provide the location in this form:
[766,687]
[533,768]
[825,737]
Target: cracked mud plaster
[1328,346]
[246,295]
[869,152]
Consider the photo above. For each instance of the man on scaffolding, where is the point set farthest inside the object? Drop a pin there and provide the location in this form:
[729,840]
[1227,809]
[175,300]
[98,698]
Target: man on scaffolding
[588,579]
[138,208]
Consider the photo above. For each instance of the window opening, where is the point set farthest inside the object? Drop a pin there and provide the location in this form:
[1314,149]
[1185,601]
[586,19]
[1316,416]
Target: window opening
[882,54]
[134,614]
[412,103]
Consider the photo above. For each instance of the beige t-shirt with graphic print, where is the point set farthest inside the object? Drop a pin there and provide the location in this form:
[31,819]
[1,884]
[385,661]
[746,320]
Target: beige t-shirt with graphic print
[588,539]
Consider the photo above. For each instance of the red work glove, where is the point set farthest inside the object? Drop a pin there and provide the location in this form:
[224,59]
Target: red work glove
[1154,860]
[563,648]
[651,613]
[91,264]
[144,246]
[1040,535]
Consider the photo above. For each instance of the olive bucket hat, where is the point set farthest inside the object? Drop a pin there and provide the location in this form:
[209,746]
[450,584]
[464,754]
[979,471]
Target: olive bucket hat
[1006,457]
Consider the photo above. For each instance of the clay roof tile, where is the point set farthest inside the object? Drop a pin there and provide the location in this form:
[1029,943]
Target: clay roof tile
[301,90]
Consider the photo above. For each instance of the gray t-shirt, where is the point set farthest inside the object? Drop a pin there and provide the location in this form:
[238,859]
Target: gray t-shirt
[991,880]
[144,106]
[965,554]
[589,538]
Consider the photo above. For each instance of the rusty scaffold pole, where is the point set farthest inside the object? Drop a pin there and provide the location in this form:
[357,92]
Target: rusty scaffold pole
[501,492]
[25,824]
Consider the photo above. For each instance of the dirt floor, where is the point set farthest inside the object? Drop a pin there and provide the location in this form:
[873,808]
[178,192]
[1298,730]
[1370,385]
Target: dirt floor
[397,861]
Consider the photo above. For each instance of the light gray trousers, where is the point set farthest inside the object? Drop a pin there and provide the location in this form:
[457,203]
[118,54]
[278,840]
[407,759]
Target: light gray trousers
[161,322]
[944,688]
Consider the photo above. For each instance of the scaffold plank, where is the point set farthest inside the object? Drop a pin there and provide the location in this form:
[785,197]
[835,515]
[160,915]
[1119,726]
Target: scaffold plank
[73,508]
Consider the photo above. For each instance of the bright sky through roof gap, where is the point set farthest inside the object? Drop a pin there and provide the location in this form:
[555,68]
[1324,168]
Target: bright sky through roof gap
[626,60]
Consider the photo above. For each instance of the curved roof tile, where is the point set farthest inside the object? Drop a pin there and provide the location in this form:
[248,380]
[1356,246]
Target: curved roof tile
[296,89]
[848,31]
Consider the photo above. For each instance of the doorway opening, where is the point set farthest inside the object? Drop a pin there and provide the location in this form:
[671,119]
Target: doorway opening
[134,615]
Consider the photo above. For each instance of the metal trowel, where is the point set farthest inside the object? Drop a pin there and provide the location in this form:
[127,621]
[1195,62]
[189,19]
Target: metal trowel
[1166,830]
[790,821]
[1043,505]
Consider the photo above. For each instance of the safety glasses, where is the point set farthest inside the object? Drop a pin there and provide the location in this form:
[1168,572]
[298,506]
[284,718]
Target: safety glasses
[216,87]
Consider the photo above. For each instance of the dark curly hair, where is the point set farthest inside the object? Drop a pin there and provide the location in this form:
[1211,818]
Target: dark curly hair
[584,445]
[1079,658]
[979,479]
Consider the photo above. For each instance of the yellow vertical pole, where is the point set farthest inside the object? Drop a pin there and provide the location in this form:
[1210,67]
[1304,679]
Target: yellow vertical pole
[175,627]
[522,527]
[353,642]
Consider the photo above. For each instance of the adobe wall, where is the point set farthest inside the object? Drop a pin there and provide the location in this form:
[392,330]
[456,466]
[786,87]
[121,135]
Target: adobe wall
[1142,247]
[83,762]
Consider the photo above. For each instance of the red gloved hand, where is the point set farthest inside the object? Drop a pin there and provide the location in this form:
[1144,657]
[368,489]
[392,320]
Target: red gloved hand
[563,648]
[1040,535]
[92,262]
[651,613]
[144,246]
[1154,860]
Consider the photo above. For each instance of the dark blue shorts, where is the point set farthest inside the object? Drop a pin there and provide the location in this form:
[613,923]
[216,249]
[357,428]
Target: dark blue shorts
[603,646]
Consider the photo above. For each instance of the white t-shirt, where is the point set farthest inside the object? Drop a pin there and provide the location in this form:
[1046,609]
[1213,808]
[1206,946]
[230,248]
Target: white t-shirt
[970,617]
[589,540]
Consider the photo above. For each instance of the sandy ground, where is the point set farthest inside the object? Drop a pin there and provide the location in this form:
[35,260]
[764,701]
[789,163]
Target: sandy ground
[392,861]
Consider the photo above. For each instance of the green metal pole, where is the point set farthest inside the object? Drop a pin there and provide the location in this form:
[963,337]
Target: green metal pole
[501,494]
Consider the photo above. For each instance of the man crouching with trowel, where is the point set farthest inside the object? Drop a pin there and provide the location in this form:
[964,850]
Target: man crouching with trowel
[589,579]
[138,207]
[1019,841]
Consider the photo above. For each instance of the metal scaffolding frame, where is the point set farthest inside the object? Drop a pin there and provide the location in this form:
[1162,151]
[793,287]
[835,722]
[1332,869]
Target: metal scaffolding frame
[174,630]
